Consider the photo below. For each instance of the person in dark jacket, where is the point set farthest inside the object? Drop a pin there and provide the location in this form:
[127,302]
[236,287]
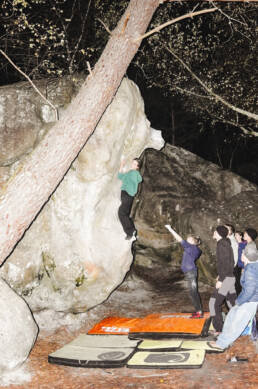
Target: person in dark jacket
[191,253]
[246,304]
[225,282]
[231,236]
[250,235]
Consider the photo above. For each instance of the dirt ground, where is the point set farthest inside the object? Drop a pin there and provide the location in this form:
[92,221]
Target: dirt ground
[135,298]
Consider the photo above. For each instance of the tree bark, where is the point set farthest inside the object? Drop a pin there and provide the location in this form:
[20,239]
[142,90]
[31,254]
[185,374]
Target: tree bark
[34,182]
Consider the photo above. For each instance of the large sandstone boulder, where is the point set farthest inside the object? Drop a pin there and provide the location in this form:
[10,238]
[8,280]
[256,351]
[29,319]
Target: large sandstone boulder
[18,330]
[192,195]
[24,114]
[75,252]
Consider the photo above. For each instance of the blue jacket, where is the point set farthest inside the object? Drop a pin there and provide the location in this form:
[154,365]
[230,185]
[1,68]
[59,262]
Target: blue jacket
[249,282]
[190,255]
[241,247]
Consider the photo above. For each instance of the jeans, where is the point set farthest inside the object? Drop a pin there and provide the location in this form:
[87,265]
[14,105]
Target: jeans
[236,321]
[191,277]
[124,213]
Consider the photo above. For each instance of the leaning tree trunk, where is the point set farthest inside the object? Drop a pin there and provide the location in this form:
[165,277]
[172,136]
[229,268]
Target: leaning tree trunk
[32,184]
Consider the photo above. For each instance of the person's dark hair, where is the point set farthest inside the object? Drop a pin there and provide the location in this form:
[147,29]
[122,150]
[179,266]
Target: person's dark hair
[240,233]
[139,162]
[251,232]
[197,239]
[222,231]
[232,228]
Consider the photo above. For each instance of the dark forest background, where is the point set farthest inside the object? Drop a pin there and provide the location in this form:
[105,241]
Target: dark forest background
[47,38]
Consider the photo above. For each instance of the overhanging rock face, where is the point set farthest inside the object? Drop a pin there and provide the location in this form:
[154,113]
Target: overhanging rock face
[194,196]
[75,252]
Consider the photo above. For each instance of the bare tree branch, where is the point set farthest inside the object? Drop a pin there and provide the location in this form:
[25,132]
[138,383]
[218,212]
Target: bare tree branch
[89,68]
[30,81]
[218,118]
[82,31]
[160,27]
[210,91]
[105,26]
[188,92]
[226,15]
[234,124]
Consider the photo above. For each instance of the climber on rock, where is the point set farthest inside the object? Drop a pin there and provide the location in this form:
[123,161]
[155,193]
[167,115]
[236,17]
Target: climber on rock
[130,181]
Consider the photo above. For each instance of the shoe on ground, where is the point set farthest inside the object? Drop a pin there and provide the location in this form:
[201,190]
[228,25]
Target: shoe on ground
[214,346]
[214,333]
[197,315]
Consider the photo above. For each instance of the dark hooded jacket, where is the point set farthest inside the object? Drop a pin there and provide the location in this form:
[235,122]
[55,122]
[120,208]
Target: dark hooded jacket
[225,259]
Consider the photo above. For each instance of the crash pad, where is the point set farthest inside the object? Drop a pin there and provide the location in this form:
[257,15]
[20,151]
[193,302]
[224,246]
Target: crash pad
[199,345]
[114,325]
[167,360]
[170,325]
[162,345]
[91,357]
[103,341]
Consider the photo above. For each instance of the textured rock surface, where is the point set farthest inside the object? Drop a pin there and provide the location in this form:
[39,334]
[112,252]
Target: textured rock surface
[18,330]
[24,113]
[192,195]
[74,254]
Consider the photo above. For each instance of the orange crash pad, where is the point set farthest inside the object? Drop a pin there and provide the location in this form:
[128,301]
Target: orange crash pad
[114,326]
[170,325]
[156,325]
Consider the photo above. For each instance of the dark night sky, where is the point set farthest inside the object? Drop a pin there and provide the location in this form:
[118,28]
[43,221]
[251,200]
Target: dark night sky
[186,132]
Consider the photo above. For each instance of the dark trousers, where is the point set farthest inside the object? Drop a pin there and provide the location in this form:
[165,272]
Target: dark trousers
[191,277]
[217,300]
[237,273]
[124,213]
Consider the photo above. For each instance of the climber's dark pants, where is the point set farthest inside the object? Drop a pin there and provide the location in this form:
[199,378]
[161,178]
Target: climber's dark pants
[191,277]
[124,213]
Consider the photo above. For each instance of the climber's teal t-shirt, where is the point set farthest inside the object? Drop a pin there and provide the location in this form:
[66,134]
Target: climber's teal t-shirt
[130,181]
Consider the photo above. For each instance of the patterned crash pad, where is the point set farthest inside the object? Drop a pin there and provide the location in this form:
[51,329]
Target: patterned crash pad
[170,325]
[163,345]
[95,351]
[114,325]
[91,357]
[199,345]
[167,360]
